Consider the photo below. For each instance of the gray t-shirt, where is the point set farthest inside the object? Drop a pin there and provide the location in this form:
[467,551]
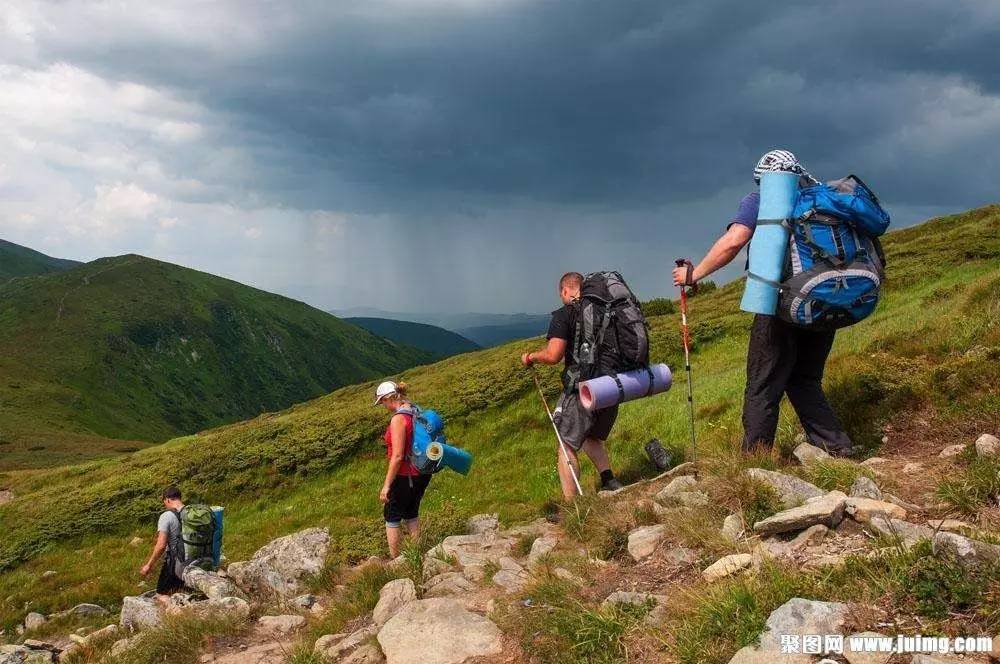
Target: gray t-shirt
[170,524]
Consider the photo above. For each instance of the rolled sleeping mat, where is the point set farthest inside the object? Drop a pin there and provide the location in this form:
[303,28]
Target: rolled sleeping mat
[447,456]
[607,391]
[770,242]
[217,515]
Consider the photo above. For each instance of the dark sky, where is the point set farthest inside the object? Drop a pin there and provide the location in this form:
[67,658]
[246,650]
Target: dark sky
[459,155]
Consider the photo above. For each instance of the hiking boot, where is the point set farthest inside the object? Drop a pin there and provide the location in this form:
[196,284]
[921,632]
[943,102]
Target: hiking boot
[612,485]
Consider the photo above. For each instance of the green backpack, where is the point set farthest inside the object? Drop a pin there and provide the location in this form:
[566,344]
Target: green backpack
[197,535]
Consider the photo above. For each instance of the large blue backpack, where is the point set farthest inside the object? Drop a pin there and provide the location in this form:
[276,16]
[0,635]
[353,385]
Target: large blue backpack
[835,266]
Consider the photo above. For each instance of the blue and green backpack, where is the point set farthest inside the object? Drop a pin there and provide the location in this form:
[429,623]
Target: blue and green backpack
[835,265]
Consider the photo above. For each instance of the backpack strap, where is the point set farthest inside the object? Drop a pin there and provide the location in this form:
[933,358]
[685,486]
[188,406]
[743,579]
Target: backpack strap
[414,413]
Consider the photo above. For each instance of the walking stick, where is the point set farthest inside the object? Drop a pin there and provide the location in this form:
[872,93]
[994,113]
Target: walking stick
[562,445]
[683,262]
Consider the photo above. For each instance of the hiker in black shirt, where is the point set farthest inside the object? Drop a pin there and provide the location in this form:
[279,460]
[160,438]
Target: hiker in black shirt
[579,428]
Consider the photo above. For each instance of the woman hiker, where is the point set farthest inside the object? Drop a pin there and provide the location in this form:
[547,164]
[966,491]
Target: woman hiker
[404,486]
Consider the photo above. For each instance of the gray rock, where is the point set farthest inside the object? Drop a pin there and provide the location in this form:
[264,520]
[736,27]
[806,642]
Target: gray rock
[438,631]
[827,510]
[727,566]
[793,491]
[863,509]
[951,451]
[12,654]
[511,576]
[733,527]
[391,598]
[676,486]
[88,610]
[306,601]
[447,585]
[970,553]
[541,548]
[807,454]
[483,523]
[34,621]
[211,584]
[279,568]
[988,445]
[280,626]
[333,647]
[904,532]
[865,487]
[802,616]
[141,612]
[681,556]
[691,498]
[233,607]
[434,566]
[644,540]
[368,653]
[475,550]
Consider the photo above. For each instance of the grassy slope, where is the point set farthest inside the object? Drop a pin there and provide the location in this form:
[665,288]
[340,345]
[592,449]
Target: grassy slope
[133,348]
[18,261]
[935,342]
[436,340]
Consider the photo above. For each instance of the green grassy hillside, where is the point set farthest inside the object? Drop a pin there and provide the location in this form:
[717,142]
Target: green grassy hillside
[136,349]
[18,261]
[436,340]
[932,346]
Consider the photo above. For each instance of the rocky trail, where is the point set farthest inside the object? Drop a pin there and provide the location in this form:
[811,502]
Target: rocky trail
[473,597]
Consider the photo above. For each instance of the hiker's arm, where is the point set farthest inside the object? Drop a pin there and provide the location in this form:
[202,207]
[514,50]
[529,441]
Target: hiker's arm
[158,549]
[552,353]
[721,254]
[397,431]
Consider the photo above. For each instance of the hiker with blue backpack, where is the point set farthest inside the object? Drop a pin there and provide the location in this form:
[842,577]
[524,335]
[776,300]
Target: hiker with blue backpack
[815,266]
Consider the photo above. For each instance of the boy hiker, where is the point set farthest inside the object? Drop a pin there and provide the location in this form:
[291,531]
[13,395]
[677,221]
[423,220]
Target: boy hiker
[168,539]
[782,359]
[579,428]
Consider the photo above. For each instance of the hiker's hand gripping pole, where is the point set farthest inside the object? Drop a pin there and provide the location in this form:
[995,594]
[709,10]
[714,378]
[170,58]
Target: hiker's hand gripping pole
[683,262]
[562,445]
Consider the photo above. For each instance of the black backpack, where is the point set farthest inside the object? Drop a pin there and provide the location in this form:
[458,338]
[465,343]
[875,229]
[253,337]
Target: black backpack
[611,334]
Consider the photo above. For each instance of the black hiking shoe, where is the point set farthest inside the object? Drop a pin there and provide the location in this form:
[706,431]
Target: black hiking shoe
[612,485]
[657,455]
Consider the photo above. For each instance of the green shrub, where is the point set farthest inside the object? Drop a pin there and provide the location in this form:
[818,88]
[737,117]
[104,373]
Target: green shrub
[660,306]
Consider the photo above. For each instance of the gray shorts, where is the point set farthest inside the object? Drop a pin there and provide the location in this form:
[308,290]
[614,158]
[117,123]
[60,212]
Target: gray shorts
[576,424]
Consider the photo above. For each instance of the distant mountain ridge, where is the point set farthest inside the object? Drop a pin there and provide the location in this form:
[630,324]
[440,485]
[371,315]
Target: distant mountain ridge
[485,329]
[18,261]
[436,340]
[134,348]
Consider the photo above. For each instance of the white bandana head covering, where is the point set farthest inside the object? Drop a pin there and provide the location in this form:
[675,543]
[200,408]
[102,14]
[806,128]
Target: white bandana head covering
[779,160]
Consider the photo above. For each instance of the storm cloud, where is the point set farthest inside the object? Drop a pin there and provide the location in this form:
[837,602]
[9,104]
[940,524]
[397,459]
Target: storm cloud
[454,155]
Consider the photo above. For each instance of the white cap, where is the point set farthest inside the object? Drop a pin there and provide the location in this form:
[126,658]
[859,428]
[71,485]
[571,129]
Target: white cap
[388,388]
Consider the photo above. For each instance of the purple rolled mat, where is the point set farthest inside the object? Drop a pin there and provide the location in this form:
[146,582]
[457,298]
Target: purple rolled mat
[606,391]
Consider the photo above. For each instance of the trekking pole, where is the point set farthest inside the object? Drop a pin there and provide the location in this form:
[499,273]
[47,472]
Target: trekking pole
[562,445]
[683,262]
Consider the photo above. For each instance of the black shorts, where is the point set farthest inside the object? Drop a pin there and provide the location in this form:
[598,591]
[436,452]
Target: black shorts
[576,424]
[404,500]
[168,581]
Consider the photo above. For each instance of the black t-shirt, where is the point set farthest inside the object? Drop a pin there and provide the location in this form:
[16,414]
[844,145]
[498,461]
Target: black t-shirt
[563,326]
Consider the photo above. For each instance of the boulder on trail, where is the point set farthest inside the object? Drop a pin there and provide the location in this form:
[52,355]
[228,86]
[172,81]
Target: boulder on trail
[332,647]
[279,568]
[511,576]
[827,510]
[907,533]
[807,454]
[34,620]
[727,566]
[644,540]
[541,548]
[802,616]
[865,487]
[676,486]
[391,598]
[951,451]
[233,607]
[863,509]
[141,612]
[988,445]
[438,631]
[483,523]
[211,584]
[474,551]
[968,552]
[447,585]
[793,491]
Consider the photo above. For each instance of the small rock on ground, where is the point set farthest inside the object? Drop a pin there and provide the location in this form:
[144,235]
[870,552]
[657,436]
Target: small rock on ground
[865,487]
[280,625]
[644,540]
[727,566]
[733,527]
[951,451]
[807,454]
[988,445]
[438,631]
